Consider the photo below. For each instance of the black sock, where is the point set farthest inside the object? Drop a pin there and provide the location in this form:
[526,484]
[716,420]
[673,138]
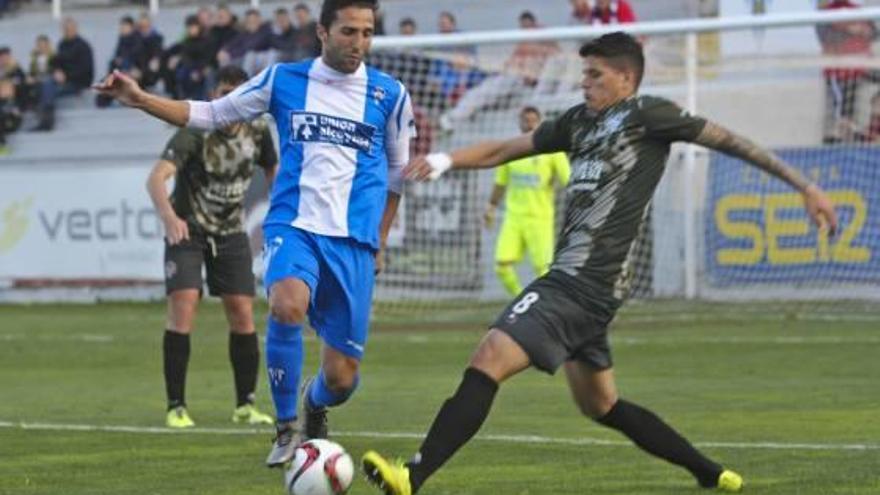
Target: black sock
[175,353]
[458,420]
[244,353]
[654,436]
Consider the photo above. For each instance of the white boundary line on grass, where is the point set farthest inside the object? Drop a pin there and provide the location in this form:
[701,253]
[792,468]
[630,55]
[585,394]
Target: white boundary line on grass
[527,439]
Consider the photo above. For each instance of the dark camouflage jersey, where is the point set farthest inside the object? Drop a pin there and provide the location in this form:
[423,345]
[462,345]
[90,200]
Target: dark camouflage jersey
[617,158]
[214,170]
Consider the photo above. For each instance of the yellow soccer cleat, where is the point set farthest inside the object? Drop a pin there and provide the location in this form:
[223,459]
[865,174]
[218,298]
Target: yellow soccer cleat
[390,477]
[178,418]
[249,414]
[730,481]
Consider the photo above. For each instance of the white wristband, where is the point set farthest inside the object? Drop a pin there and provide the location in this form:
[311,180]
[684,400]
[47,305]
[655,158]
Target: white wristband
[440,163]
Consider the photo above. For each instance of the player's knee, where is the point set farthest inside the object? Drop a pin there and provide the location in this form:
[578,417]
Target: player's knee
[287,312]
[597,407]
[341,380]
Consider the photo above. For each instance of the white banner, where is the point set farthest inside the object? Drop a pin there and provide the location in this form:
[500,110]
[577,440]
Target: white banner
[82,223]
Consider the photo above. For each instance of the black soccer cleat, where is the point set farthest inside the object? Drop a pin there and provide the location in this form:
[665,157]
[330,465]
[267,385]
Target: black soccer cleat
[314,419]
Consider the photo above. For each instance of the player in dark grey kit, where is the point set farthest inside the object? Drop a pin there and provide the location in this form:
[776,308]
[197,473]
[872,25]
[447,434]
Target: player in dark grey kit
[618,144]
[203,222]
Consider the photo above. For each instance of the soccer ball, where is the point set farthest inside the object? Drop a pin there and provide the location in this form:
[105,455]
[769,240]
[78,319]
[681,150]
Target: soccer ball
[319,467]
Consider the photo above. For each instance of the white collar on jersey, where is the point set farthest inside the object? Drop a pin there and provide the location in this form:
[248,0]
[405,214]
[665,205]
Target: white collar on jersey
[324,71]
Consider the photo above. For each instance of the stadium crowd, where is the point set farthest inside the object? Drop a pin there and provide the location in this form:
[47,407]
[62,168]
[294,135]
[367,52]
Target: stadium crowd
[447,88]
[214,37]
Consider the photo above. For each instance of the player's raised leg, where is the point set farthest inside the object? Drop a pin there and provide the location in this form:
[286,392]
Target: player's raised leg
[288,301]
[595,393]
[341,317]
[244,355]
[497,358]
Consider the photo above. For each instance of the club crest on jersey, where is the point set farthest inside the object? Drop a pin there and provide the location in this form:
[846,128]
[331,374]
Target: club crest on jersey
[378,94]
[311,127]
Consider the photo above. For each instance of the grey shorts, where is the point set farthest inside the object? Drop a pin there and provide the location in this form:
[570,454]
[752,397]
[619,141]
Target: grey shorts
[553,325]
[227,260]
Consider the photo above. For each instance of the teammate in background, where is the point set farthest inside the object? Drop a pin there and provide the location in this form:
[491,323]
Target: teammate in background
[345,133]
[527,186]
[203,226]
[618,142]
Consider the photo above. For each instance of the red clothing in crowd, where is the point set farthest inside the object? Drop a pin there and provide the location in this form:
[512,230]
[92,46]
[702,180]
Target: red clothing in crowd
[617,12]
[840,39]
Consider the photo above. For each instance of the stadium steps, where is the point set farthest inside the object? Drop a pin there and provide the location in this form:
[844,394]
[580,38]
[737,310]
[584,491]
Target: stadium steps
[86,134]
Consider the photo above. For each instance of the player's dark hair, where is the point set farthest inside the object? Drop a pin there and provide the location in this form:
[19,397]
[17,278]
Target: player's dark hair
[408,21]
[530,109]
[620,50]
[127,19]
[330,7]
[232,75]
[527,15]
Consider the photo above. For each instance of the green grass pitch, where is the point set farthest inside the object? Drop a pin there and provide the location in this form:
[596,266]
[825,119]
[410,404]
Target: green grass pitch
[789,399]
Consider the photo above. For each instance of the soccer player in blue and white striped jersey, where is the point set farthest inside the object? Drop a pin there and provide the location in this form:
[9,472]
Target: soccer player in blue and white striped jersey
[344,134]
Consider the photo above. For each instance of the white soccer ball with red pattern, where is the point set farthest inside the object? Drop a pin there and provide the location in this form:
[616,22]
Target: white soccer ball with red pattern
[319,467]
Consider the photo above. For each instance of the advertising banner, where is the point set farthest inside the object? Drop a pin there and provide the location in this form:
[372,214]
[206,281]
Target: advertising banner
[757,230]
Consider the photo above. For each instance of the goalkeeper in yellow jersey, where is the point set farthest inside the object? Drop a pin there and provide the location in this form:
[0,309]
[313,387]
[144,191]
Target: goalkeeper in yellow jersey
[527,186]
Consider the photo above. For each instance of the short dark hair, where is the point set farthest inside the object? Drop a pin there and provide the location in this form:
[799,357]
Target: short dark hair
[232,75]
[252,12]
[4,50]
[621,50]
[526,14]
[127,19]
[280,11]
[330,7]
[408,21]
[302,6]
[192,20]
[530,109]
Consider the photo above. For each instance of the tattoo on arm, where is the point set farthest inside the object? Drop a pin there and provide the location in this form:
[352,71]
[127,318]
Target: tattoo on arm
[718,138]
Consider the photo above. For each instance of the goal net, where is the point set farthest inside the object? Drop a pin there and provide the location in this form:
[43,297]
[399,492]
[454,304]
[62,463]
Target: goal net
[749,237]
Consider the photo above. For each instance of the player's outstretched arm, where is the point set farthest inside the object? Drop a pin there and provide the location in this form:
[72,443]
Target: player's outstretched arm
[486,154]
[126,90]
[817,203]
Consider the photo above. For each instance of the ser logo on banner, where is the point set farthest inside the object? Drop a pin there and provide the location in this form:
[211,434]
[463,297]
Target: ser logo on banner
[758,231]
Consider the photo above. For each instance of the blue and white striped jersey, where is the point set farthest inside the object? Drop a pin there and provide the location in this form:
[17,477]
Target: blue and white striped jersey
[344,140]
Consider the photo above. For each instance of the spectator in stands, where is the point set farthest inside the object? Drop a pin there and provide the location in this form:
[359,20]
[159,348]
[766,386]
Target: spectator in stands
[581,12]
[307,43]
[74,64]
[848,131]
[40,69]
[521,74]
[12,81]
[407,26]
[205,15]
[250,48]
[447,24]
[151,56]
[283,37]
[73,70]
[612,12]
[126,58]
[192,67]
[842,83]
[223,31]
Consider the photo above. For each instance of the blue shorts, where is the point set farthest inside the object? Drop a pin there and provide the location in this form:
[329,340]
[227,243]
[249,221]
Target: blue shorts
[339,272]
